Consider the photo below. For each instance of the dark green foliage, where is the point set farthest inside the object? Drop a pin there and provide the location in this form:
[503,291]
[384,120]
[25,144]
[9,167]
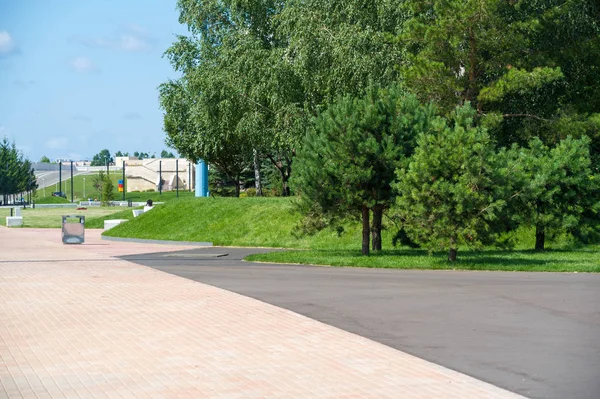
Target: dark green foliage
[347,163]
[454,187]
[16,173]
[102,158]
[143,155]
[529,67]
[558,190]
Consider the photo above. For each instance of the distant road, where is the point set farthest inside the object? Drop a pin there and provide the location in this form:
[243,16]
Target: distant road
[51,178]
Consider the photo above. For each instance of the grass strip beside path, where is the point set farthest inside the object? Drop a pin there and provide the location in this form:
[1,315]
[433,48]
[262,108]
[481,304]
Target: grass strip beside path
[270,222]
[52,217]
[583,260]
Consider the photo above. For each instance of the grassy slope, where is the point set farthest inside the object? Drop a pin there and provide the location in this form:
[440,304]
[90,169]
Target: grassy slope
[264,222]
[52,200]
[269,222]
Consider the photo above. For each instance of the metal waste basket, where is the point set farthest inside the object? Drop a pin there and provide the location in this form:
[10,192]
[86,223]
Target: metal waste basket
[73,229]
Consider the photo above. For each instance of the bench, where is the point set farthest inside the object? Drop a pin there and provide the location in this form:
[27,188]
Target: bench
[14,221]
[109,224]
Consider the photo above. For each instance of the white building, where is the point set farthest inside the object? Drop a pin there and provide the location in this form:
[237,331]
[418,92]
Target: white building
[143,175]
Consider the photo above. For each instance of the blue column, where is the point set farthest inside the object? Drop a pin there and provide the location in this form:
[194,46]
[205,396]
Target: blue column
[201,179]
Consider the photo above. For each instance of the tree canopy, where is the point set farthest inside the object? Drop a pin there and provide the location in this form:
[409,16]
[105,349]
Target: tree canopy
[102,158]
[16,173]
[347,163]
[291,82]
[452,190]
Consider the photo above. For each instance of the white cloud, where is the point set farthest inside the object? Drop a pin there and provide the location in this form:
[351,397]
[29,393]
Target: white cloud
[83,64]
[57,143]
[129,38]
[132,116]
[131,43]
[7,44]
[135,28]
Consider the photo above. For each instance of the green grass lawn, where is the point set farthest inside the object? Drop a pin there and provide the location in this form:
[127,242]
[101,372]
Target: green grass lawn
[90,192]
[262,222]
[269,222]
[52,217]
[576,260]
[52,200]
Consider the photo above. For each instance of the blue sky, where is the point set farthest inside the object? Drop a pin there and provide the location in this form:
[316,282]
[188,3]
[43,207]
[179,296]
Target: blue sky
[80,76]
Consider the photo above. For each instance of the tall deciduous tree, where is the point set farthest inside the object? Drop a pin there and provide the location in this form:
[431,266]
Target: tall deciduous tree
[347,163]
[340,47]
[237,94]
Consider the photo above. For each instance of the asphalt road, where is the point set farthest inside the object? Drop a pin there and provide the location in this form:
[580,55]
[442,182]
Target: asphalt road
[49,179]
[536,334]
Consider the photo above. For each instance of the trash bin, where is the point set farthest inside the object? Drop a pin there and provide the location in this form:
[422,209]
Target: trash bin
[73,229]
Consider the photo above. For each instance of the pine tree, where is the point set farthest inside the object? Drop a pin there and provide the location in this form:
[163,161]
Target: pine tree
[559,191]
[348,161]
[454,187]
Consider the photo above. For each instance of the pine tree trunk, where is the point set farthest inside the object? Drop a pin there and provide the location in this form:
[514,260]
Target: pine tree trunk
[257,178]
[376,227]
[366,230]
[540,237]
[453,251]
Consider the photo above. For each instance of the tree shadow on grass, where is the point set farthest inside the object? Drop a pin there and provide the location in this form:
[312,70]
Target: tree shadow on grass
[475,260]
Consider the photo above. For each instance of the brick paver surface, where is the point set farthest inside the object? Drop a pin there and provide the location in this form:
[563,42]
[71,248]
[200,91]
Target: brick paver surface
[75,322]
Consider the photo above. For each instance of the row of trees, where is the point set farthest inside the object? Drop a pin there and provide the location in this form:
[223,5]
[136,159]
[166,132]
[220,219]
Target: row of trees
[444,179]
[256,74]
[336,90]
[104,156]
[16,173]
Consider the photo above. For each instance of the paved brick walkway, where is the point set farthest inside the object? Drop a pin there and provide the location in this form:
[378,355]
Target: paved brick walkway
[76,322]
